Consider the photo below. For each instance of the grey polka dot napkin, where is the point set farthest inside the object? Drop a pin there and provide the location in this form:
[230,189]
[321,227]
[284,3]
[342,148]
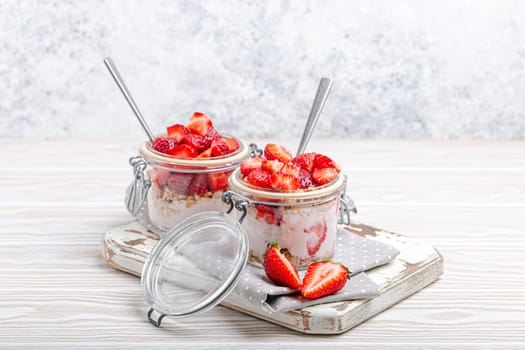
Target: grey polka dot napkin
[357,253]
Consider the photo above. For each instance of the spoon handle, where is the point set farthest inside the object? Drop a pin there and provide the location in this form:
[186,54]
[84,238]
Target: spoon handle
[127,95]
[320,98]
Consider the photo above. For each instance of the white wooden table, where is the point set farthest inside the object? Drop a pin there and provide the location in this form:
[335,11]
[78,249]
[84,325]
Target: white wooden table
[466,198]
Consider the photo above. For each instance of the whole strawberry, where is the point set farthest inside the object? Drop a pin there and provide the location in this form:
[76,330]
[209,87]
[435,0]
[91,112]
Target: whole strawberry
[324,278]
[279,269]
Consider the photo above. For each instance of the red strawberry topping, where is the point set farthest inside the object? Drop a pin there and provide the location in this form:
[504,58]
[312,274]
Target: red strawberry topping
[162,144]
[198,185]
[196,141]
[284,182]
[305,161]
[179,182]
[324,278]
[305,179]
[219,148]
[232,143]
[183,151]
[250,164]
[218,181]
[272,166]
[279,269]
[273,151]
[292,169]
[324,176]
[315,236]
[177,132]
[321,161]
[260,178]
[199,124]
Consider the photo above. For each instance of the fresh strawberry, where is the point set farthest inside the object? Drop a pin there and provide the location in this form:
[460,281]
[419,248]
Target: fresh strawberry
[205,155]
[305,161]
[198,185]
[199,124]
[321,161]
[324,278]
[260,178]
[218,181]
[211,135]
[324,175]
[250,164]
[279,269]
[232,143]
[315,236]
[196,141]
[177,132]
[179,182]
[219,148]
[305,179]
[158,176]
[183,151]
[284,182]
[278,152]
[162,144]
[291,168]
[271,166]
[271,215]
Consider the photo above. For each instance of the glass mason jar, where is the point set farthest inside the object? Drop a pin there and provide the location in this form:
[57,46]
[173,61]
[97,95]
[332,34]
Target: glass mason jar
[177,188]
[303,222]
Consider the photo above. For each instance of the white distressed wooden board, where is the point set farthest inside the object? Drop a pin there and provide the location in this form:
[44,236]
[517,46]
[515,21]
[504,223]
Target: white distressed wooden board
[127,247]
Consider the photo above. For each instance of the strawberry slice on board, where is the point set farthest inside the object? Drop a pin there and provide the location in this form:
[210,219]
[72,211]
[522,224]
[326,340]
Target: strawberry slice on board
[218,181]
[179,182]
[273,151]
[279,269]
[250,164]
[199,124]
[305,161]
[315,236]
[260,178]
[324,175]
[284,182]
[272,166]
[324,278]
[198,185]
[177,132]
[183,151]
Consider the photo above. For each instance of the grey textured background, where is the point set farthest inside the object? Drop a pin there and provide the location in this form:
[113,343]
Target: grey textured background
[402,69]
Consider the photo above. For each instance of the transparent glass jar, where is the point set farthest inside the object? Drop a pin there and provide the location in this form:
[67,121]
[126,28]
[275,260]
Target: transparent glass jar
[304,222]
[177,188]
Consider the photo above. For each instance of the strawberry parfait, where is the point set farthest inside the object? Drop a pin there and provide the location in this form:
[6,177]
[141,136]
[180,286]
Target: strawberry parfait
[189,170]
[292,201]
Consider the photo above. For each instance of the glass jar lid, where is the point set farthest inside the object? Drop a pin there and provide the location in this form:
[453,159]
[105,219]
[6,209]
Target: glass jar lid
[194,266]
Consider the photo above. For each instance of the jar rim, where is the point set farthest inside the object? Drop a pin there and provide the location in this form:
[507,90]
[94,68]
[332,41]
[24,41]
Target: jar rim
[236,183]
[150,155]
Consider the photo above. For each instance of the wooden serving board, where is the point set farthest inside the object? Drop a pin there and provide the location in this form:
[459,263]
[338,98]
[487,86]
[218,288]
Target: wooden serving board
[127,247]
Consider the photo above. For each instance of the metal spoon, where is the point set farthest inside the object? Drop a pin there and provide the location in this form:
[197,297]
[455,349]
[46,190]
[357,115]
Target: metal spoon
[320,98]
[127,95]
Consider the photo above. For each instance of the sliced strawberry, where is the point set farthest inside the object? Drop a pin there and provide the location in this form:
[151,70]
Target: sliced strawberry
[271,215]
[272,166]
[232,143]
[179,182]
[324,176]
[305,179]
[305,161]
[321,161]
[177,132]
[199,185]
[158,176]
[250,164]
[162,144]
[284,182]
[219,148]
[199,124]
[196,141]
[183,151]
[211,135]
[315,236]
[260,178]
[205,155]
[273,151]
[279,269]
[291,168]
[218,181]
[324,278]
